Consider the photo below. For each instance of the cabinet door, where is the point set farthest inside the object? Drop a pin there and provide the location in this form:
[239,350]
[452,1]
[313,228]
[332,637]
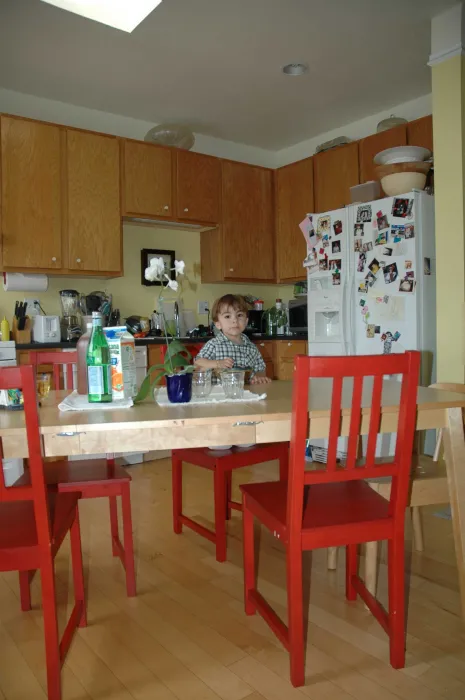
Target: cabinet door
[284,353]
[294,198]
[420,132]
[372,145]
[335,171]
[31,194]
[198,187]
[247,214]
[94,217]
[147,180]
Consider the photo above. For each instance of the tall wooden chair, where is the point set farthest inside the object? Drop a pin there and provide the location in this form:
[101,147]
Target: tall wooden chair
[334,506]
[33,525]
[95,478]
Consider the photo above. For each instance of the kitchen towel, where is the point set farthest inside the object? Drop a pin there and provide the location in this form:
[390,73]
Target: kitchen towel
[217,396]
[80,402]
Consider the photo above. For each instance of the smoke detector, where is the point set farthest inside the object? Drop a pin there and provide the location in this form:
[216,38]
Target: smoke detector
[295,69]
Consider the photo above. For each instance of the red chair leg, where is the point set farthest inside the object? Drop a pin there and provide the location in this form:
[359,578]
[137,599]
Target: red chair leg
[284,465]
[228,479]
[351,571]
[128,541]
[78,572]
[295,615]
[25,590]
[176,476]
[52,649]
[114,524]
[220,513]
[249,557]
[396,578]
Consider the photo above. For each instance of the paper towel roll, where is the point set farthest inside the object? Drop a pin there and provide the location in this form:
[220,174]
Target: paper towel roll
[16,282]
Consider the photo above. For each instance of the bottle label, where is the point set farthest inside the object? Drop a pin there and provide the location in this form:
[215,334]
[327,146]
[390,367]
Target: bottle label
[95,380]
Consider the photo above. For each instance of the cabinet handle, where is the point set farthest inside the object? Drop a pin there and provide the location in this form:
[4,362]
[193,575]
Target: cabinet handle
[186,209]
[54,259]
[231,269]
[262,345]
[78,260]
[289,345]
[166,207]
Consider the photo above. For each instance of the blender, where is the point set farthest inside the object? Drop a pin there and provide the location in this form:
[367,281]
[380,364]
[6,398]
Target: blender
[70,321]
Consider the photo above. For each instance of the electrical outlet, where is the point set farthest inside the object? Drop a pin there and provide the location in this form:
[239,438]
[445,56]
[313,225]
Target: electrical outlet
[203,307]
[33,306]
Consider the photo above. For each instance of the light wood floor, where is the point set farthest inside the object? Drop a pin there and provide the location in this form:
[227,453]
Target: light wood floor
[186,637]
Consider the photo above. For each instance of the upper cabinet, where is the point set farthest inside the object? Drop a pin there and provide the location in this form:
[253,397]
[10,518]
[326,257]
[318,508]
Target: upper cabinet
[335,171]
[248,222]
[372,145]
[198,187]
[420,132]
[31,195]
[93,202]
[146,180]
[294,198]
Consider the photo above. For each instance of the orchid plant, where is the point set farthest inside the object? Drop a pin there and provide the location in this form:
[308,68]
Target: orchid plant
[177,356]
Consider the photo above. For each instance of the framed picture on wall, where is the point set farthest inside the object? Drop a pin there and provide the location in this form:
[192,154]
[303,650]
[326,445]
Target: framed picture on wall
[146,254]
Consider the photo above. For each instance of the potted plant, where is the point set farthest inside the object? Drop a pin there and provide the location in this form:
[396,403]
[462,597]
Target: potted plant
[176,367]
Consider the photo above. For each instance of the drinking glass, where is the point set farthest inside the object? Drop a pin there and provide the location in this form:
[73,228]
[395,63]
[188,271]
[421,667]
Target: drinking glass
[201,382]
[233,383]
[43,385]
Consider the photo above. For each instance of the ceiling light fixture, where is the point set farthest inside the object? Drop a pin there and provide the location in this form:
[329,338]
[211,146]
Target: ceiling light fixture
[120,14]
[295,69]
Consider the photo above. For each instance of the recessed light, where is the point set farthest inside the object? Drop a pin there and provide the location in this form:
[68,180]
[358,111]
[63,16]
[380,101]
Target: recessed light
[295,69]
[121,14]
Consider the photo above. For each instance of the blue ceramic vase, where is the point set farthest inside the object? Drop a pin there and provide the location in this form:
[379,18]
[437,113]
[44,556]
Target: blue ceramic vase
[179,388]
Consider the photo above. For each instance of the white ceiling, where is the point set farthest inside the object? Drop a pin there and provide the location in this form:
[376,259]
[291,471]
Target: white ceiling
[216,64]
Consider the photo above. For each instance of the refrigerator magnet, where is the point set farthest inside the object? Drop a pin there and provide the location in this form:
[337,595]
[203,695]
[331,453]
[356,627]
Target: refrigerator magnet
[323,264]
[366,247]
[407,285]
[362,258]
[357,245]
[374,266]
[398,231]
[390,273]
[371,330]
[337,227]
[387,250]
[408,264]
[377,330]
[409,231]
[370,279]
[335,265]
[359,229]
[362,287]
[396,336]
[336,247]
[362,302]
[382,221]
[325,241]
[364,213]
[402,207]
[381,238]
[311,262]
[336,279]
[323,225]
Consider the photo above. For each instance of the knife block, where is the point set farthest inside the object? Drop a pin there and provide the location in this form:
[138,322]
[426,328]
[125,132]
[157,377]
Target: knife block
[23,336]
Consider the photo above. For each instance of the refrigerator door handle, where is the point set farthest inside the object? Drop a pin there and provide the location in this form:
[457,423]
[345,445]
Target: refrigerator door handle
[343,322]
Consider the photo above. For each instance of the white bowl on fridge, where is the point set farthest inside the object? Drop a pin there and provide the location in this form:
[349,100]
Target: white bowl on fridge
[402,154]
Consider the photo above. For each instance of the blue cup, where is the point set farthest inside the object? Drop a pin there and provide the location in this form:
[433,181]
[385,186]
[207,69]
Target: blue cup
[179,388]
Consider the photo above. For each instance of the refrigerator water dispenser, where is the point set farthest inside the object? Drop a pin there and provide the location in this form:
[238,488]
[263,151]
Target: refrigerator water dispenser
[327,325]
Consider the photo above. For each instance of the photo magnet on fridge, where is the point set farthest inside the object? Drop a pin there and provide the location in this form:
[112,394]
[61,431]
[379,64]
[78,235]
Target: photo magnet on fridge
[357,245]
[311,261]
[306,226]
[382,221]
[363,213]
[337,227]
[324,224]
[325,241]
[407,285]
[371,330]
[323,264]
[409,231]
[387,251]
[374,266]
[390,273]
[335,265]
[370,279]
[336,247]
[358,229]
[336,279]
[381,238]
[366,247]
[361,262]
[362,287]
[377,329]
[402,207]
[408,264]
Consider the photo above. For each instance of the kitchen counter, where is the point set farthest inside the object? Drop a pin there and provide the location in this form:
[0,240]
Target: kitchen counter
[150,341]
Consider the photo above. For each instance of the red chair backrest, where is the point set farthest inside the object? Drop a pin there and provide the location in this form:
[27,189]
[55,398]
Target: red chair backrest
[23,378]
[62,362]
[354,369]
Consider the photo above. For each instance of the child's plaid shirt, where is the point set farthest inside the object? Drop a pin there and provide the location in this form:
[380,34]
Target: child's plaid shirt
[244,355]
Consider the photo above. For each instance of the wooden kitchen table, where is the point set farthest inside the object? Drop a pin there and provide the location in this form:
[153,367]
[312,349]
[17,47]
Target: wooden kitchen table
[149,427]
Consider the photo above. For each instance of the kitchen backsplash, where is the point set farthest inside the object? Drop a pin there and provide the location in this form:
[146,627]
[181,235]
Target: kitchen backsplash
[130,296]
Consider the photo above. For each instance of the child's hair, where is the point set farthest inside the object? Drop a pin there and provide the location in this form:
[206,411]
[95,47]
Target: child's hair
[236,301]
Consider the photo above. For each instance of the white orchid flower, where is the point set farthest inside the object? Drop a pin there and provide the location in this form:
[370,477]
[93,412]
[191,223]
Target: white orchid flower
[179,266]
[151,274]
[159,265]
[172,284]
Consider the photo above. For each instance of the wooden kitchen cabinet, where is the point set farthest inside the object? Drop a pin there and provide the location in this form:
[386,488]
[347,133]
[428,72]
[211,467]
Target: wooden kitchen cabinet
[294,199]
[147,180]
[284,352]
[242,249]
[198,187]
[93,202]
[376,143]
[420,132]
[335,171]
[31,195]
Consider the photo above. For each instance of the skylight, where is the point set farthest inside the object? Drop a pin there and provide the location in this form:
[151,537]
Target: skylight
[121,14]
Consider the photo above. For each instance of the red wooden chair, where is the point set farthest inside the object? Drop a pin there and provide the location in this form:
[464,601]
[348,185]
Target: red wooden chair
[33,525]
[222,466]
[333,505]
[95,478]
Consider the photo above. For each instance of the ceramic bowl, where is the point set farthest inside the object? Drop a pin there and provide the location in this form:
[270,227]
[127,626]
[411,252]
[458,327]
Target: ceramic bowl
[399,183]
[402,154]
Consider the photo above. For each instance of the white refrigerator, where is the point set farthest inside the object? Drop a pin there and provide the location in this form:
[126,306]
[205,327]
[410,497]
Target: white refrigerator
[371,279]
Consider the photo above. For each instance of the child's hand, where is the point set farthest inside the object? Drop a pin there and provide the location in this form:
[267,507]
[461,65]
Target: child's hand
[227,363]
[260,380]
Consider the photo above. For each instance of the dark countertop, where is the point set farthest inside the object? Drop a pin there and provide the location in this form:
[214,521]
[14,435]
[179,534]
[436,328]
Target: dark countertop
[150,341]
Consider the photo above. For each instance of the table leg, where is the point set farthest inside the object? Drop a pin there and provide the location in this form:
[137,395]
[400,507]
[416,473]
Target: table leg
[454,445]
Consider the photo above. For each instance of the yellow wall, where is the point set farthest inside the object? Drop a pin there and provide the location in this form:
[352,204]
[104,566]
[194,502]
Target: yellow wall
[130,296]
[448,80]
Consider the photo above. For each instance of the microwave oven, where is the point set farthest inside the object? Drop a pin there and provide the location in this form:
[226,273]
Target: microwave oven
[298,318]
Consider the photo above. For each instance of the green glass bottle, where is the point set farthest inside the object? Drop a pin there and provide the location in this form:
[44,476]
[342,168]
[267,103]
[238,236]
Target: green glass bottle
[98,364]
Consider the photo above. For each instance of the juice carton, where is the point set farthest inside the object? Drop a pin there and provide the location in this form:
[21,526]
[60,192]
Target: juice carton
[123,362]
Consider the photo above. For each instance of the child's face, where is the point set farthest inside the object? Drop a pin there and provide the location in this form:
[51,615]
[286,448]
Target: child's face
[231,321]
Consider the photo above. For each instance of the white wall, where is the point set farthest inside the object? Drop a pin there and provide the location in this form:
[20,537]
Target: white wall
[81,117]
[414,109]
